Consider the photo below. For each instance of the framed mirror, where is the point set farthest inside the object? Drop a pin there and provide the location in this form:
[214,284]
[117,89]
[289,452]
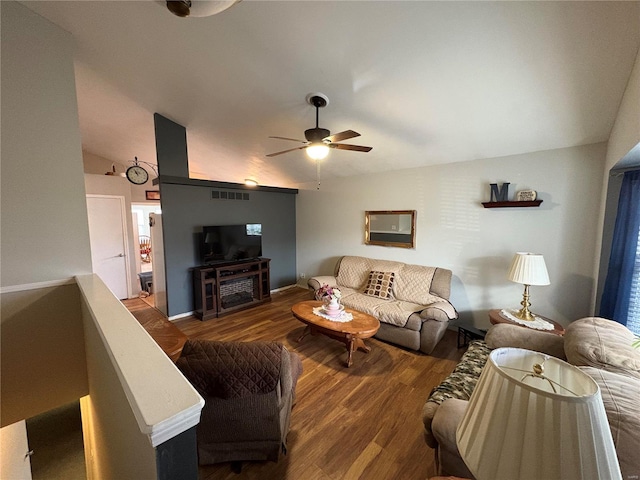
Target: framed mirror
[390,228]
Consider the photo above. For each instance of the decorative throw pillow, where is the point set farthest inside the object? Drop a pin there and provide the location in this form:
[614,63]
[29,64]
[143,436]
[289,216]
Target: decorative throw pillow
[379,284]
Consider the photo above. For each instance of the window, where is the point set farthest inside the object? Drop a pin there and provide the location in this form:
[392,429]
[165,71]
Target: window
[633,318]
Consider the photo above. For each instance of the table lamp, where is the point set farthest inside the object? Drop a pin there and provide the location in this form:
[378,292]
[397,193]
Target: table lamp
[528,269]
[534,417]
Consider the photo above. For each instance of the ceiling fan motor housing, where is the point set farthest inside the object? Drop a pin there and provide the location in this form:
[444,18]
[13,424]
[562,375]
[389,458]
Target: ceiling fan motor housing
[315,135]
[180,8]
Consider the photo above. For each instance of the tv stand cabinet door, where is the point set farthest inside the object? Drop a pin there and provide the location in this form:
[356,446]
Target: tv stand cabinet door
[206,306]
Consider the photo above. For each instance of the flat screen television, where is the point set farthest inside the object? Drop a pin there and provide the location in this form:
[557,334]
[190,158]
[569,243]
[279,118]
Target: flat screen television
[229,243]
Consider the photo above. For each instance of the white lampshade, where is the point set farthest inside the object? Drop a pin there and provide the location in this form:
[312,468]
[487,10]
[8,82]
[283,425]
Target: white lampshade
[516,427]
[528,269]
[317,151]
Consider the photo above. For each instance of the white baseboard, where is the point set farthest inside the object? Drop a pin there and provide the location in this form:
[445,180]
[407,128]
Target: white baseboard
[287,287]
[181,315]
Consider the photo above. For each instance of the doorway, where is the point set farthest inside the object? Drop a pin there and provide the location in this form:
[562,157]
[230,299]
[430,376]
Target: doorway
[109,239]
[142,235]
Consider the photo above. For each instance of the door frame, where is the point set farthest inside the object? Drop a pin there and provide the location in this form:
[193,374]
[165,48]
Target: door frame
[125,235]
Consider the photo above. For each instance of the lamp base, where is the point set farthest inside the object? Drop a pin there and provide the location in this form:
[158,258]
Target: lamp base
[524,314]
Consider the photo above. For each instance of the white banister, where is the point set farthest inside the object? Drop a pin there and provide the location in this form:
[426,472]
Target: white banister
[163,402]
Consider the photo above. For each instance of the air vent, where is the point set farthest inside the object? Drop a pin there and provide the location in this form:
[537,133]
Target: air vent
[223,195]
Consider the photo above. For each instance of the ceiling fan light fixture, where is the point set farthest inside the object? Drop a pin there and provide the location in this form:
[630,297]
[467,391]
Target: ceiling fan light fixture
[250,182]
[317,151]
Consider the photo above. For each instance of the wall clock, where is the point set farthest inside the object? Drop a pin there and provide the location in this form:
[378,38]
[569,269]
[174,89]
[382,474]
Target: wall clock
[137,175]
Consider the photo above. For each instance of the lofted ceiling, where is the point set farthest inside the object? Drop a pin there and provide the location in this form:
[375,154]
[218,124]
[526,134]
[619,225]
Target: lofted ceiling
[423,82]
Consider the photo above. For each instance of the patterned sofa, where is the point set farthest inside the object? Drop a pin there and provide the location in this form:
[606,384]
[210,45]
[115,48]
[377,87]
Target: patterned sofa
[601,348]
[410,301]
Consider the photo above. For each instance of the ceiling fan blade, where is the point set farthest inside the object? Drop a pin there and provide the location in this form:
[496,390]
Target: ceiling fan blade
[346,146]
[290,139]
[286,151]
[338,137]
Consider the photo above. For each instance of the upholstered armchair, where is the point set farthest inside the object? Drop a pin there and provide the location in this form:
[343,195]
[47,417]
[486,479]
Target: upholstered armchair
[249,391]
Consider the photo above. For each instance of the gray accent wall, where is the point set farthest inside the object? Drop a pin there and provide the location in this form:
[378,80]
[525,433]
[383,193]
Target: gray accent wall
[187,208]
[171,147]
[188,205]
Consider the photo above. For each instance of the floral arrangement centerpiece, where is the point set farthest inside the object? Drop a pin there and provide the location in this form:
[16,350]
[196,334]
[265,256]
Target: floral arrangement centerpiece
[328,295]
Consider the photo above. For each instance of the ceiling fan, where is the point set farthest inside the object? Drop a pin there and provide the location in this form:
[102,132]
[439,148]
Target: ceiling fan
[198,8]
[319,140]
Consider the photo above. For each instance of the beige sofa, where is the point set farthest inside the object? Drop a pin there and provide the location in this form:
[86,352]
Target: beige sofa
[601,348]
[416,312]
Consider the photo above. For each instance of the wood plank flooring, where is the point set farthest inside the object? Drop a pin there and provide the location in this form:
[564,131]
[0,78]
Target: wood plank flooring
[362,422]
[166,334]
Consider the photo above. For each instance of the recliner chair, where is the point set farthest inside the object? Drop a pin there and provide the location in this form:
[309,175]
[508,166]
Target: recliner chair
[249,391]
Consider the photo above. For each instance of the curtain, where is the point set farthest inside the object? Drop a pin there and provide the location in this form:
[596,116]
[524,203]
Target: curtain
[623,281]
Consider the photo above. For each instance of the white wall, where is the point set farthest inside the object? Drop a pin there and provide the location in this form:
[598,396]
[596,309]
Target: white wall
[45,233]
[454,230]
[98,165]
[626,130]
[43,362]
[622,152]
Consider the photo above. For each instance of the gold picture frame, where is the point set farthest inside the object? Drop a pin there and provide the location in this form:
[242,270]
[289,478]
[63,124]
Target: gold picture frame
[390,228]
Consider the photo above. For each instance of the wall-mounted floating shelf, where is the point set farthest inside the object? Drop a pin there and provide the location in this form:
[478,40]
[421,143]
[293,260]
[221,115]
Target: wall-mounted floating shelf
[533,203]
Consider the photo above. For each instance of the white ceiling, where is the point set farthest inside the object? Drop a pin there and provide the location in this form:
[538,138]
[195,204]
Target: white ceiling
[423,82]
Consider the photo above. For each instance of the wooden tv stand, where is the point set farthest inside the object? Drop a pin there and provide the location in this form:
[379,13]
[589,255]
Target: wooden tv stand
[224,288]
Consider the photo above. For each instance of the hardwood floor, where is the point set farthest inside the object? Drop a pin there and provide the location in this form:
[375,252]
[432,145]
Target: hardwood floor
[166,334]
[362,422]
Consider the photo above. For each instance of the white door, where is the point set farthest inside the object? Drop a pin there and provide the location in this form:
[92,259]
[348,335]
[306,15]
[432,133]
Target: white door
[14,452]
[108,235]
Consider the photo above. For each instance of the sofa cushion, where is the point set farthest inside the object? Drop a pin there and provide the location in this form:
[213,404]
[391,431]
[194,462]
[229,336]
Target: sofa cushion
[379,284]
[360,302]
[396,312]
[601,343]
[354,271]
[413,284]
[393,312]
[620,395]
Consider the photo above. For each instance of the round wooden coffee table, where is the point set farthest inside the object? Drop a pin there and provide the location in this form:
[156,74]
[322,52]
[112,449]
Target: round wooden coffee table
[352,333]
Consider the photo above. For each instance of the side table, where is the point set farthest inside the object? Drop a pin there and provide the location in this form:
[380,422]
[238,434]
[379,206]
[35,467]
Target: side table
[467,332]
[495,317]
